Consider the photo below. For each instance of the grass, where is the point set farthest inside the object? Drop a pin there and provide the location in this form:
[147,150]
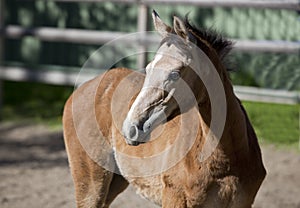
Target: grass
[275,123]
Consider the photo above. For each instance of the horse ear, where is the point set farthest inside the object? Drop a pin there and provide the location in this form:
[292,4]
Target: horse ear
[180,27]
[182,31]
[159,25]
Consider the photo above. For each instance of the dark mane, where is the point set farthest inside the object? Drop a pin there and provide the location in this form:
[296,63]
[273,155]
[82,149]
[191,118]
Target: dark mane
[222,45]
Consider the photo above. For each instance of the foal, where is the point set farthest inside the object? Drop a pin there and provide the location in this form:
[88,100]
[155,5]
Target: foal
[178,134]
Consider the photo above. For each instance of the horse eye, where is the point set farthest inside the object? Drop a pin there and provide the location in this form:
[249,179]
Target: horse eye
[174,75]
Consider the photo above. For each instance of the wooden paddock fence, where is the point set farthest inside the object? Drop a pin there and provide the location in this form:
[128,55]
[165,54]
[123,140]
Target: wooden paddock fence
[100,37]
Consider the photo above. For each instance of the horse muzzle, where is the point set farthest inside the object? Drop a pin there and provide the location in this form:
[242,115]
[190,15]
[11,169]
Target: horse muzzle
[133,134]
[138,132]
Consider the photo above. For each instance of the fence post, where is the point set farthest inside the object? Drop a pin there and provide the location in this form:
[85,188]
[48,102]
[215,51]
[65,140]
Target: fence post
[2,15]
[142,27]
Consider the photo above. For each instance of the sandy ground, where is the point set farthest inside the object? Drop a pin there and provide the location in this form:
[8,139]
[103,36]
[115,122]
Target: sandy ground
[34,173]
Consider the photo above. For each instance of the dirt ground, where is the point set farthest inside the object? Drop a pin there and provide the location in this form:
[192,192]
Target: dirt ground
[34,173]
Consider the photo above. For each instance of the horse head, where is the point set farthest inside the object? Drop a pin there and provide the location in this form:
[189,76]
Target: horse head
[171,85]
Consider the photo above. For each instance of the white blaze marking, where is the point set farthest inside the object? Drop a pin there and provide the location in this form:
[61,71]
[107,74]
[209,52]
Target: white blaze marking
[156,59]
[135,103]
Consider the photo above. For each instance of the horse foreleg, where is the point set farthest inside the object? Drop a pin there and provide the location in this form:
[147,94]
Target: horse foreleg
[95,186]
[91,181]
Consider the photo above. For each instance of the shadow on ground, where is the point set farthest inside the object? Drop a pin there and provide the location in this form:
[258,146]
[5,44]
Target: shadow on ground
[26,144]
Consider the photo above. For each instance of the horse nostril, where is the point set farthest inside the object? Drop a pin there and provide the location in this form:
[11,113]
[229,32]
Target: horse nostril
[132,131]
[147,126]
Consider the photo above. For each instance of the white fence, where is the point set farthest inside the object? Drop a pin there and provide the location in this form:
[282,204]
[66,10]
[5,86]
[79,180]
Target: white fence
[100,37]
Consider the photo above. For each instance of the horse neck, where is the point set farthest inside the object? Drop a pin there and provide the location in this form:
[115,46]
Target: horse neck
[235,130]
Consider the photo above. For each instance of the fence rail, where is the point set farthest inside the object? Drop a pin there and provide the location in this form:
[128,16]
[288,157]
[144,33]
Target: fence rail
[101,37]
[44,75]
[267,95]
